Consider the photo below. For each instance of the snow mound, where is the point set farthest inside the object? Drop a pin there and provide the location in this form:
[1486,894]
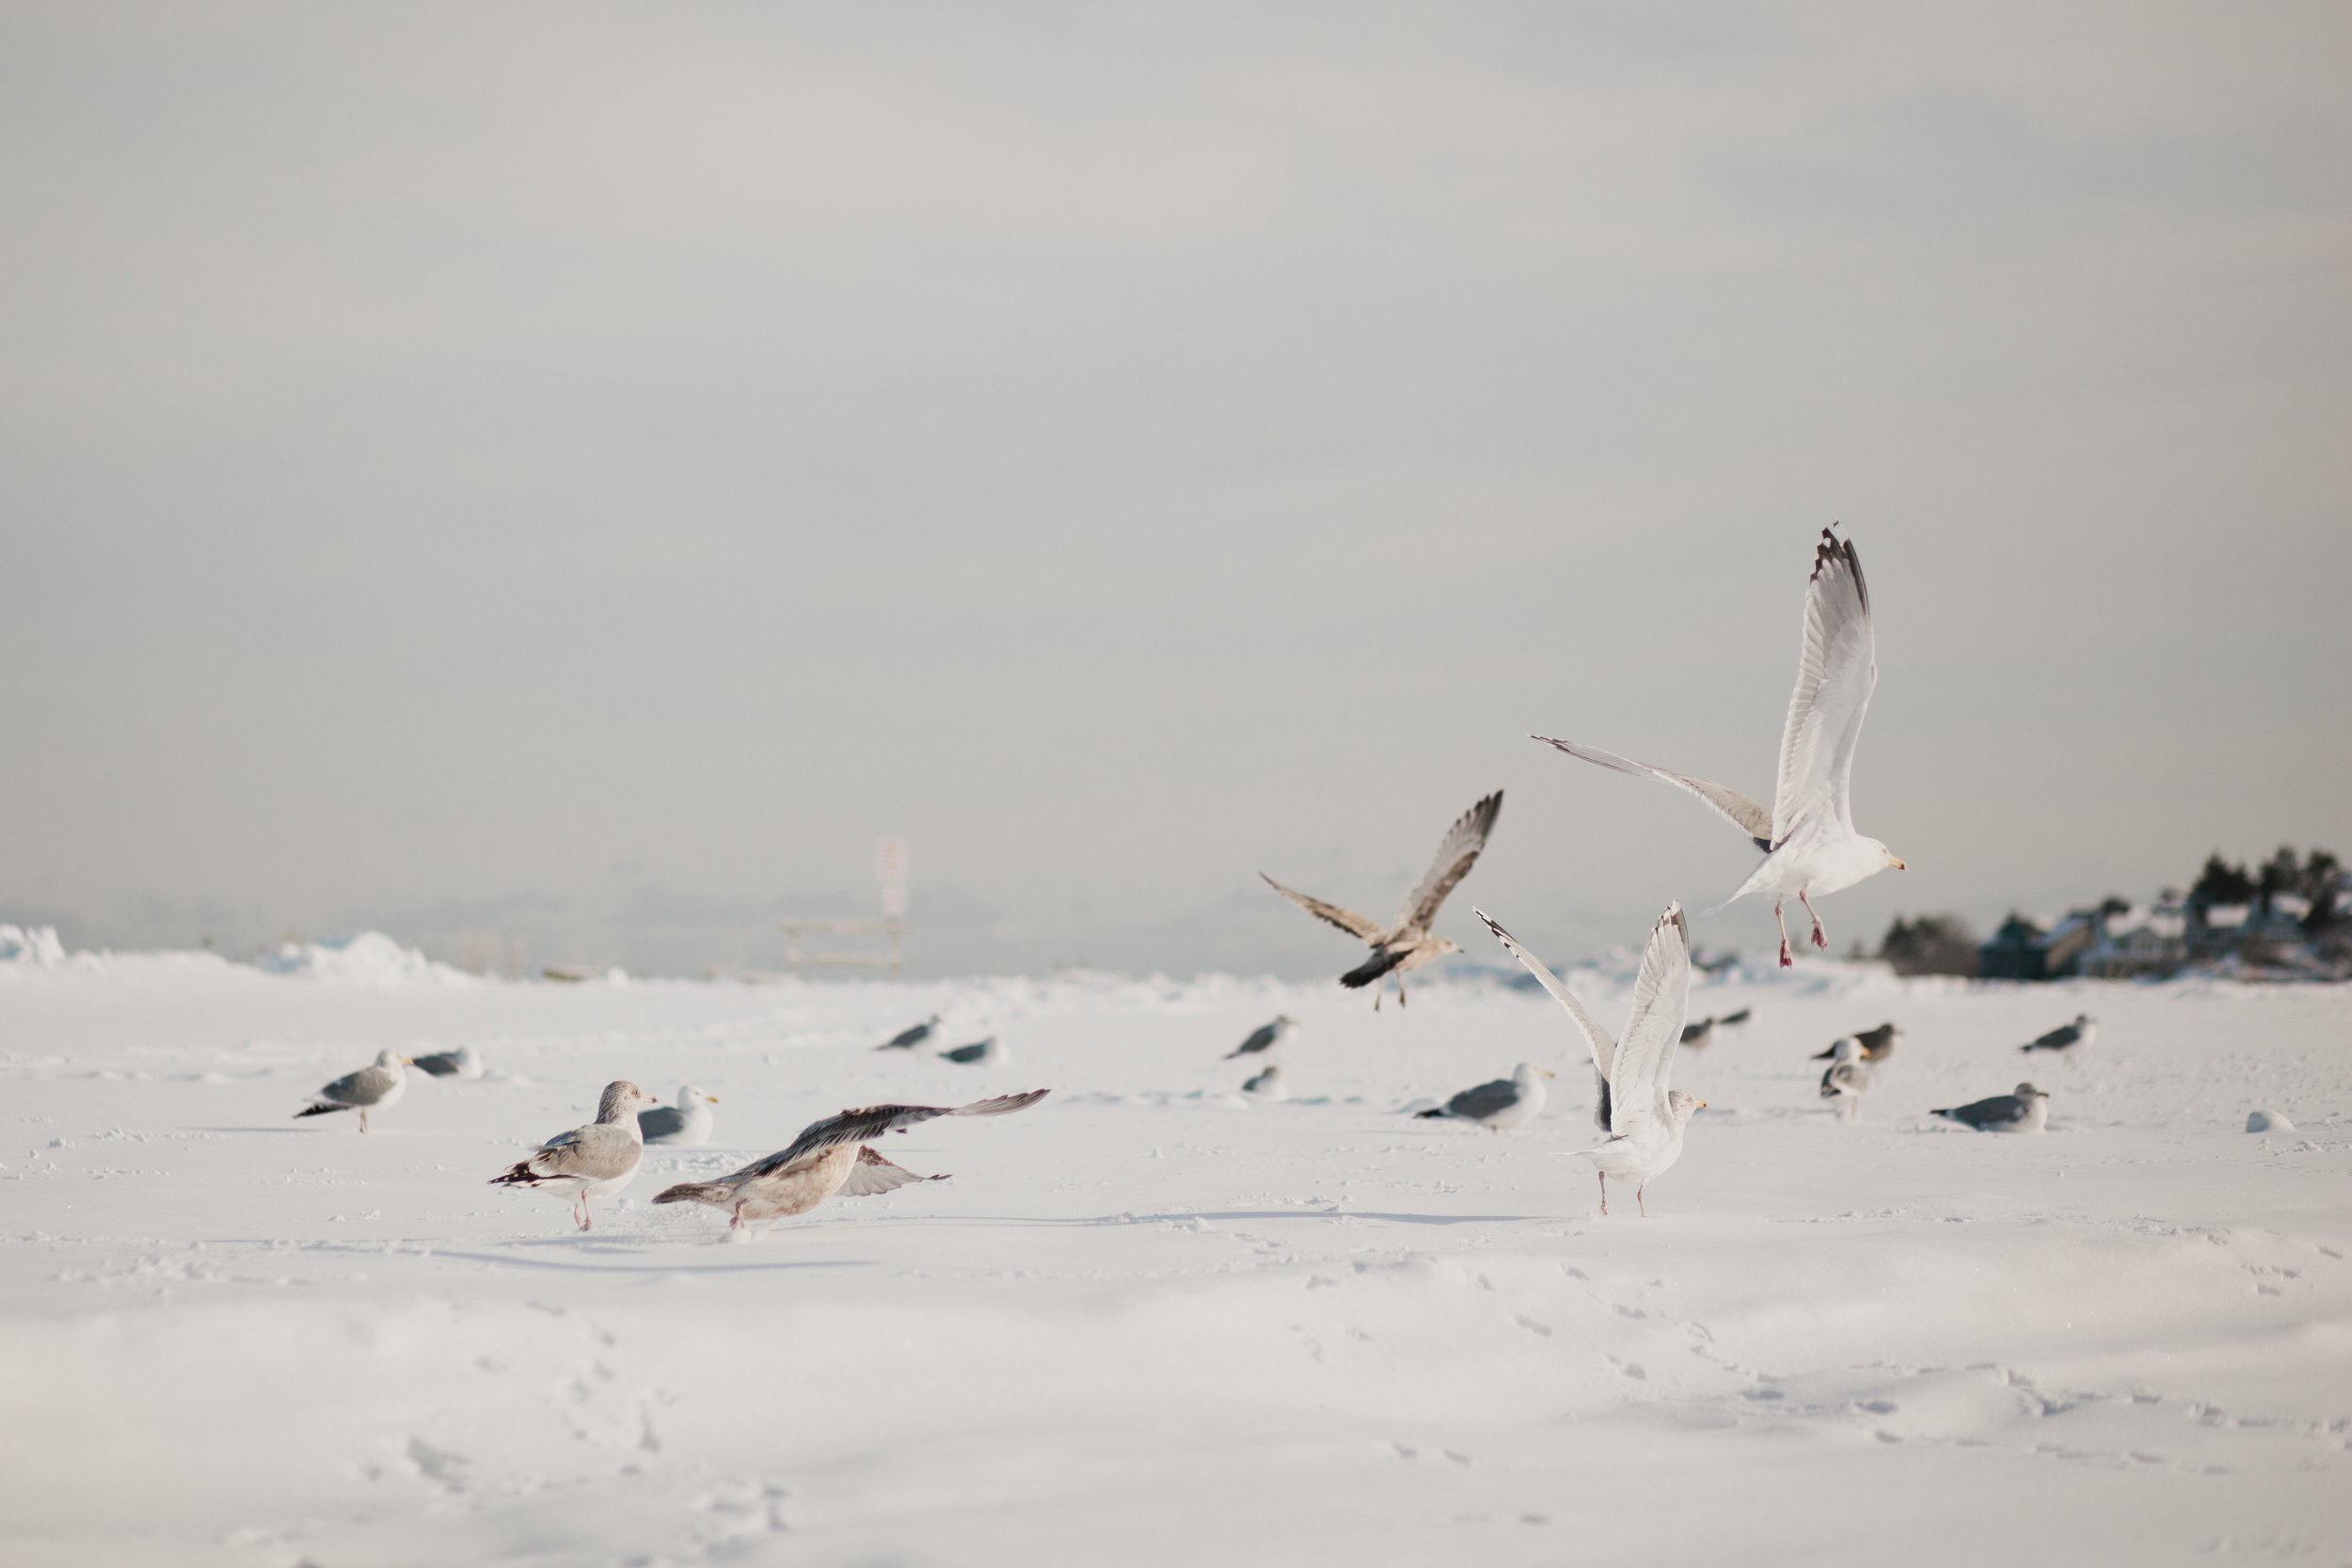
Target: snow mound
[2267,1121]
[37,945]
[363,959]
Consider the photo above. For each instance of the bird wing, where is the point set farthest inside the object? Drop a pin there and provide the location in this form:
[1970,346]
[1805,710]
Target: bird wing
[1662,994]
[1835,674]
[1347,920]
[1259,1039]
[1596,1039]
[1485,1100]
[1749,816]
[1457,853]
[363,1088]
[594,1152]
[873,1121]
[874,1175]
[660,1122]
[440,1064]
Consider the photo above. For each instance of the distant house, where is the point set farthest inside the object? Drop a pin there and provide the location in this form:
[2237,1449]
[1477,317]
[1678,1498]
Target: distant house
[2138,942]
[2022,949]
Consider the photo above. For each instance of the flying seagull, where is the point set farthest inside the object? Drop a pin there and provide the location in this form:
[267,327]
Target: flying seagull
[1807,834]
[830,1156]
[1643,1118]
[464,1062]
[907,1040]
[1848,1077]
[1266,1037]
[2067,1035]
[1877,1044]
[1502,1104]
[682,1125]
[2027,1110]
[594,1161]
[1407,943]
[372,1088]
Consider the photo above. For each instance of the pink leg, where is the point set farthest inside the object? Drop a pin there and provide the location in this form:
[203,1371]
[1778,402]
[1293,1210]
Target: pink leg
[1637,1199]
[1786,962]
[1604,1192]
[1400,991]
[1820,938]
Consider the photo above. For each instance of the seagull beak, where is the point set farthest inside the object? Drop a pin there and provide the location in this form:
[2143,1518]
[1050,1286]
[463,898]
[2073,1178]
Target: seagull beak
[1702,1104]
[408,1061]
[712,1098]
[1547,1072]
[1898,864]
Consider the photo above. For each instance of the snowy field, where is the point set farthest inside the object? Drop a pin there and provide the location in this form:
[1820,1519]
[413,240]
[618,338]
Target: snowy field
[1150,1322]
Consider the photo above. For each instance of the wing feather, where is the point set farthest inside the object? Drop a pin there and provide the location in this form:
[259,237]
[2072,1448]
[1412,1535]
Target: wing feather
[874,1175]
[1596,1039]
[1751,817]
[1661,998]
[1347,920]
[1457,853]
[874,1121]
[1836,672]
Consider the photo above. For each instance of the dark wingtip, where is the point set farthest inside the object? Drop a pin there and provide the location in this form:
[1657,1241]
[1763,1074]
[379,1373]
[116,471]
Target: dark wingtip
[1834,548]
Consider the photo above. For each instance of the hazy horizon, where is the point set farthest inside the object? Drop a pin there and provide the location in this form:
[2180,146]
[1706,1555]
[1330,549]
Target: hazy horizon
[579,475]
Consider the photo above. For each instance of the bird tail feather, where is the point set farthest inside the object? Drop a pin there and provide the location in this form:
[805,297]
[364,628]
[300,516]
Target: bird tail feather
[322,1108]
[1371,969]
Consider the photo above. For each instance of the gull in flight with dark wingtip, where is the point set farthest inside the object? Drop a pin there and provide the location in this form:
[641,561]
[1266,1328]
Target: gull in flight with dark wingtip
[829,1157]
[1807,834]
[1408,943]
[1643,1118]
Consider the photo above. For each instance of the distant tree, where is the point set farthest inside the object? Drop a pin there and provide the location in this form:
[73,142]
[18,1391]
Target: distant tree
[2221,883]
[2113,905]
[2323,874]
[1931,944]
[2281,873]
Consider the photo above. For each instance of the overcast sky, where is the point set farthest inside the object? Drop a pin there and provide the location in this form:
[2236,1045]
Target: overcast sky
[580,473]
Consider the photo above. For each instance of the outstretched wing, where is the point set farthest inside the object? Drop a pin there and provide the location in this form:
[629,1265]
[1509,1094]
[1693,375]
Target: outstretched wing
[1455,856]
[1347,920]
[1596,1039]
[1661,996]
[1749,817]
[873,1175]
[874,1121]
[1836,673]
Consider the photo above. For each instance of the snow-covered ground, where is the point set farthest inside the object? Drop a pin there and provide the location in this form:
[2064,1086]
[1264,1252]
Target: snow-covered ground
[1150,1322]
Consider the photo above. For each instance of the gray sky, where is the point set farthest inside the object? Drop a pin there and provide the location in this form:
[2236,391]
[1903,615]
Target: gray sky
[582,472]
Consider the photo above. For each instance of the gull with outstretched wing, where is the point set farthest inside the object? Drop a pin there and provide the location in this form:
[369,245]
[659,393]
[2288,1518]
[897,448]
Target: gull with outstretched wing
[830,1157]
[1407,943]
[1807,834]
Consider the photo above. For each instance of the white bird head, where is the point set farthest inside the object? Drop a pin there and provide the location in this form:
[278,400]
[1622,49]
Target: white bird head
[2027,1091]
[388,1057]
[688,1097]
[622,1098]
[1683,1106]
[1527,1072]
[1888,855]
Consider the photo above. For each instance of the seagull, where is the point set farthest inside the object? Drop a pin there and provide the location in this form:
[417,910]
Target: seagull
[1807,834]
[830,1156]
[682,1125]
[1408,942]
[372,1088]
[1502,1104]
[1847,1076]
[594,1161]
[977,1052]
[1268,1085]
[2027,1110]
[1877,1044]
[1699,1035]
[1643,1118]
[907,1040]
[2067,1035]
[1266,1037]
[1733,1021]
[464,1062]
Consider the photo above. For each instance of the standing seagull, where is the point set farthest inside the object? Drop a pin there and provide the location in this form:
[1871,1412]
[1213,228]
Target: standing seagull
[1407,943]
[683,1125]
[2067,1035]
[907,1040]
[1266,1037]
[372,1088]
[1502,1104]
[1877,1044]
[1643,1118]
[2027,1110]
[594,1161]
[830,1156]
[1268,1085]
[1847,1076]
[1807,835]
